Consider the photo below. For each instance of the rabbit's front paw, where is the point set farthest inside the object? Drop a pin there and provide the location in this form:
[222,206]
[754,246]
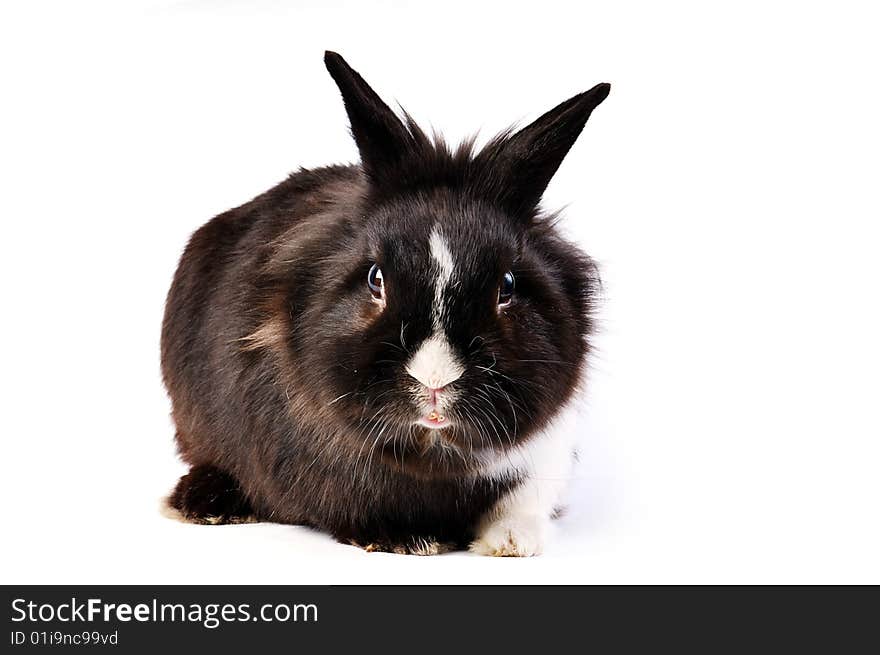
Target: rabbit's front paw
[511,536]
[413,546]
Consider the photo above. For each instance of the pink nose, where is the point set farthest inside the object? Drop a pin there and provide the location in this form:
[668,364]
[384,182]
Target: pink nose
[433,394]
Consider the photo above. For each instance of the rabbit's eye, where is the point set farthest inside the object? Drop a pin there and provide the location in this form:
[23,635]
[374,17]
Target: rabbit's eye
[505,292]
[375,282]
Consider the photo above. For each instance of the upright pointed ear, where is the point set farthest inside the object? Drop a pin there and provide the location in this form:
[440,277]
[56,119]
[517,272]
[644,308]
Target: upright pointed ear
[382,139]
[520,166]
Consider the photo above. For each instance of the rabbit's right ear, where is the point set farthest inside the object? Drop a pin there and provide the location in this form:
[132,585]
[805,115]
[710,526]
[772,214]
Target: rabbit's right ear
[518,167]
[382,139]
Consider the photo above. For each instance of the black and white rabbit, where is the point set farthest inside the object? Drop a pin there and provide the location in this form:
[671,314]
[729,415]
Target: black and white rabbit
[377,351]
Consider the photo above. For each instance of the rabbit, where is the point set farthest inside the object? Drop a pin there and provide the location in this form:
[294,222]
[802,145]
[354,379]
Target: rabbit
[378,351]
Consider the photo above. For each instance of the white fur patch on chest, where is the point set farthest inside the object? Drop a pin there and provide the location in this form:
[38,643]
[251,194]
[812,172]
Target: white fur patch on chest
[518,522]
[548,454]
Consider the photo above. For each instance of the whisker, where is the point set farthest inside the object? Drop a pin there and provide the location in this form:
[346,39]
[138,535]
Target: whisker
[402,341]
[338,398]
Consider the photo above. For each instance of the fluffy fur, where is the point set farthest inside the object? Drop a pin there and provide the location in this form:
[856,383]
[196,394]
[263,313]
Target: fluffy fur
[297,395]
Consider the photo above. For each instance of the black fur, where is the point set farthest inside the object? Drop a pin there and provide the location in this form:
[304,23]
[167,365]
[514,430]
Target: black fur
[208,495]
[287,380]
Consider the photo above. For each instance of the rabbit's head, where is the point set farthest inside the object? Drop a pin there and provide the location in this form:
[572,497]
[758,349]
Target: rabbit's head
[445,319]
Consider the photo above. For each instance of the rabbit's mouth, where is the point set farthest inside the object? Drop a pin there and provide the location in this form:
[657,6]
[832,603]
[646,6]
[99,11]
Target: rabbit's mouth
[434,420]
[433,405]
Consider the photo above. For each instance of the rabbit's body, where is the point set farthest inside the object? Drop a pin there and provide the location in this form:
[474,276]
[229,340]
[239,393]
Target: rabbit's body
[411,415]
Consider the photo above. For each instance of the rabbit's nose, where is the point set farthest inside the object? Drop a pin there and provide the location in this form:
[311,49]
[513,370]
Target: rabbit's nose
[434,395]
[434,364]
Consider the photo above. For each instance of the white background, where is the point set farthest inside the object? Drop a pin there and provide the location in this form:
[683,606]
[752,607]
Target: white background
[728,187]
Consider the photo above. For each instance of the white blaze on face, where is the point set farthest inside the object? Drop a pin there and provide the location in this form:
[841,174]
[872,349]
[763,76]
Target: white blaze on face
[434,364]
[444,264]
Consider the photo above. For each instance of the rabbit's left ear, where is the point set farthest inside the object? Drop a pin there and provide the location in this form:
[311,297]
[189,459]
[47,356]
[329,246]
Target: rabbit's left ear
[518,168]
[381,137]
